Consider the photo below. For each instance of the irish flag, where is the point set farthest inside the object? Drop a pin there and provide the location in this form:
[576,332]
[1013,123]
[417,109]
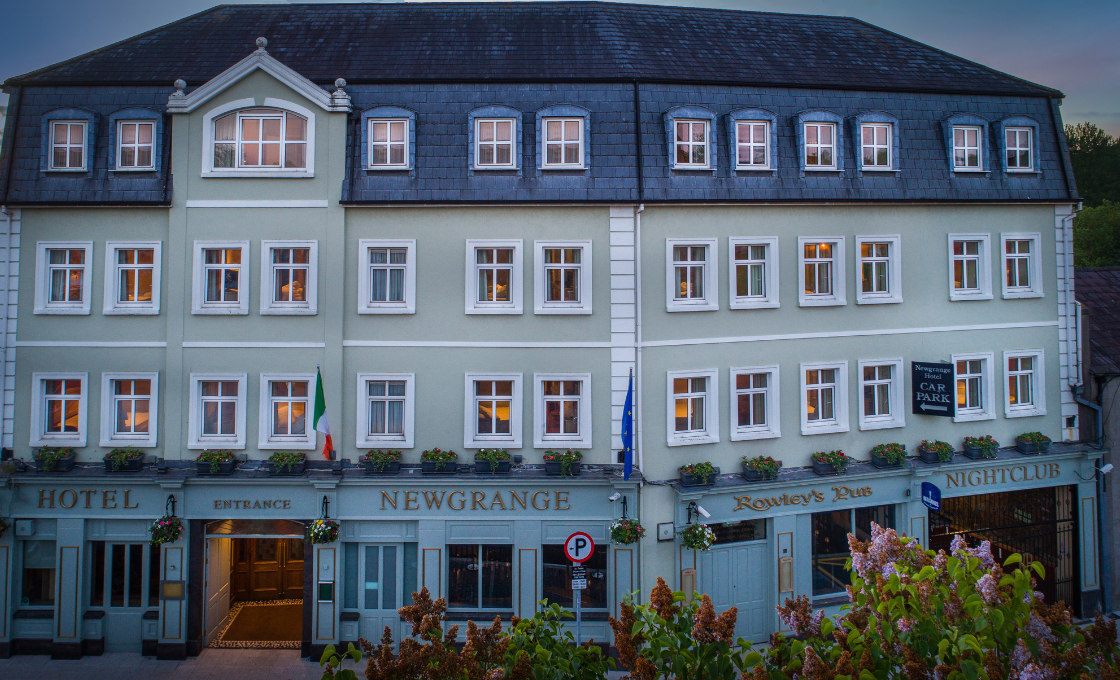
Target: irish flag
[320,417]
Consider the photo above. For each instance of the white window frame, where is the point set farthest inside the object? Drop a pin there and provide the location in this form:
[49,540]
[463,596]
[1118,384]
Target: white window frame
[1029,148]
[39,435]
[308,441]
[769,278]
[389,165]
[363,439]
[983,272]
[198,301]
[893,294]
[579,165]
[43,283]
[839,294]
[979,167]
[839,422]
[194,418]
[1035,289]
[772,429]
[471,440]
[739,125]
[543,306]
[516,281]
[513,143]
[208,169]
[707,164]
[710,433]
[542,440]
[1038,386]
[710,301]
[109,436]
[897,417]
[365,279]
[268,268]
[113,305]
[889,147]
[833,146]
[121,145]
[987,387]
[84,145]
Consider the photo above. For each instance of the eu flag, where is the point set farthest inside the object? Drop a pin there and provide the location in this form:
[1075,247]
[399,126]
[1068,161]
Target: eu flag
[628,430]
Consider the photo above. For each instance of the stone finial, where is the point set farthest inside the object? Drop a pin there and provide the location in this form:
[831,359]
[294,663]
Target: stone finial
[262,43]
[180,85]
[340,101]
[340,83]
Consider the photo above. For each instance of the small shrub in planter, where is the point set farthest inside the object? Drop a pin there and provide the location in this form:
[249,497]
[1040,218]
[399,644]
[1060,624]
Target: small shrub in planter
[888,455]
[55,459]
[829,462]
[626,531]
[378,462]
[488,461]
[698,474]
[980,447]
[565,464]
[124,460]
[1032,443]
[698,537]
[759,468]
[438,461]
[215,462]
[935,452]
[287,463]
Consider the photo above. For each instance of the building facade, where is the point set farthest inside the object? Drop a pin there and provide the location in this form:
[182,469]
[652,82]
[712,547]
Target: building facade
[477,247]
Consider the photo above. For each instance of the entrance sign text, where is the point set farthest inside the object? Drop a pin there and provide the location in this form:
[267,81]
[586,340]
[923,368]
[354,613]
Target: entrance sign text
[475,500]
[932,389]
[840,493]
[275,504]
[1003,475]
[87,499]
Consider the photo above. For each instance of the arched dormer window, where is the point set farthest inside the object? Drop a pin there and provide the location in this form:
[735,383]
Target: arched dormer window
[274,140]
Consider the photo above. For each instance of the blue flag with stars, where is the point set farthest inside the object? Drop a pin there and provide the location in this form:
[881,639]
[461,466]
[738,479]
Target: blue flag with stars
[628,430]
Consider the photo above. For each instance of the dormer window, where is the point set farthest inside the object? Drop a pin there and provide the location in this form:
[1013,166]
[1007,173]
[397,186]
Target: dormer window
[820,146]
[966,147]
[692,144]
[260,139]
[68,145]
[494,143]
[135,145]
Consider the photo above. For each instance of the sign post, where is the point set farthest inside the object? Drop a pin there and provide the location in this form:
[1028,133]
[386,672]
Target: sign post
[579,548]
[932,389]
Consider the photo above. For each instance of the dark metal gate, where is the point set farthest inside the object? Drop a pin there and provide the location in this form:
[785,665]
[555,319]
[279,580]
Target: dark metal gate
[1039,524]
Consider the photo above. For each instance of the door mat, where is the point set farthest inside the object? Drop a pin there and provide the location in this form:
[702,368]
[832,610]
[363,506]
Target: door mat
[276,624]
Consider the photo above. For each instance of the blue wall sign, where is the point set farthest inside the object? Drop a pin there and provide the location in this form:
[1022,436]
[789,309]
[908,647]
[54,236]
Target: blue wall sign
[931,496]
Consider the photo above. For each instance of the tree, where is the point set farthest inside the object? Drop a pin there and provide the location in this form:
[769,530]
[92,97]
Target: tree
[1096,236]
[1095,156]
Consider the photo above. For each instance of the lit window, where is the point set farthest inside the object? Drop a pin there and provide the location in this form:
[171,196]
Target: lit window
[128,409]
[58,412]
[966,147]
[693,416]
[880,269]
[1026,391]
[217,411]
[132,278]
[688,265]
[970,271]
[1018,264]
[563,277]
[752,139]
[219,408]
[495,274]
[494,283]
[563,142]
[876,146]
[691,144]
[820,146]
[63,274]
[975,389]
[821,272]
[385,409]
[222,267]
[388,143]
[692,275]
[62,397]
[494,143]
[260,139]
[135,146]
[562,412]
[1018,148]
[68,145]
[754,277]
[288,408]
[67,274]
[289,277]
[820,394]
[1022,265]
[221,270]
[881,387]
[493,410]
[754,403]
[39,561]
[824,397]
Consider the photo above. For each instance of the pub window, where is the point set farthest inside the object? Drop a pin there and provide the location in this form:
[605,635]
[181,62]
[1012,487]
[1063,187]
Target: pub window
[38,574]
[739,532]
[132,277]
[557,582]
[124,575]
[830,543]
[480,576]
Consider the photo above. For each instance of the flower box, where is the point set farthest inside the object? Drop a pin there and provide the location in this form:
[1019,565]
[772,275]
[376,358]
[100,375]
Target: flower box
[979,452]
[827,468]
[752,475]
[931,456]
[697,480]
[484,467]
[882,462]
[557,469]
[63,464]
[1032,448]
[225,467]
[129,465]
[432,467]
[372,468]
[293,470]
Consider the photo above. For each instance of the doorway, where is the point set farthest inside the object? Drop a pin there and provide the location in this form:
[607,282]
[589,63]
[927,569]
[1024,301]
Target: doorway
[255,584]
[735,573]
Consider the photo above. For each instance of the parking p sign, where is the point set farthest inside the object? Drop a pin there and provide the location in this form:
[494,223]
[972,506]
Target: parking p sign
[579,547]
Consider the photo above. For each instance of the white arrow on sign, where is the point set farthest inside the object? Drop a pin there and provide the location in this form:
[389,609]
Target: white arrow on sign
[927,407]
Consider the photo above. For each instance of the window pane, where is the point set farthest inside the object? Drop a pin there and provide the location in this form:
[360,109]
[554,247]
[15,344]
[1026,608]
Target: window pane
[497,576]
[135,575]
[830,551]
[350,575]
[557,577]
[462,576]
[116,580]
[371,583]
[389,577]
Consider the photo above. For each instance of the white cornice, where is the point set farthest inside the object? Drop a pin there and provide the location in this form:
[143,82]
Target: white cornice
[260,59]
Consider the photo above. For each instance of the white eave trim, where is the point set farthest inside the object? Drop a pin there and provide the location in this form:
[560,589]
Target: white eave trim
[260,59]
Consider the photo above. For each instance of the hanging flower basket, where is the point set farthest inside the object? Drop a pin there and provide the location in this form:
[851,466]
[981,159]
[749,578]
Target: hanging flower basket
[626,531]
[322,531]
[566,464]
[378,462]
[55,459]
[935,452]
[698,537]
[166,530]
[1032,443]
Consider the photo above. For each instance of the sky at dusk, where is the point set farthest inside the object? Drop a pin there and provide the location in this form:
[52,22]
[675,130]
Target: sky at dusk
[1071,45]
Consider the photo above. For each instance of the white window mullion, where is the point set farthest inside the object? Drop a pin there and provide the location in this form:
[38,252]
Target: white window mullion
[975,386]
[1025,383]
[563,277]
[562,410]
[821,272]
[129,409]
[879,269]
[692,270]
[59,402]
[386,410]
[63,277]
[1022,265]
[693,416]
[495,271]
[970,273]
[882,401]
[753,263]
[216,419]
[755,403]
[824,397]
[492,410]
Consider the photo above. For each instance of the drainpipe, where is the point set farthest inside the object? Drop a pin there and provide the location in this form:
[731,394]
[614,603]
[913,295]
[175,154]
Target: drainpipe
[638,332]
[8,215]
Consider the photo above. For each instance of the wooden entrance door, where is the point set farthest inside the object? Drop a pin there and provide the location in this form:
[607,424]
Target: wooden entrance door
[267,569]
[735,575]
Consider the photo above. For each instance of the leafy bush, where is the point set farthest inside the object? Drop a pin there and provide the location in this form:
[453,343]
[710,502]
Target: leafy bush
[540,648]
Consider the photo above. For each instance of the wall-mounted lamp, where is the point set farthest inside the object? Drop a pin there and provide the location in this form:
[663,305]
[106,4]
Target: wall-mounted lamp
[169,508]
[326,508]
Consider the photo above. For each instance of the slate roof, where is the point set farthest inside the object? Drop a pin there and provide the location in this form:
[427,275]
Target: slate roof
[553,41]
[1098,290]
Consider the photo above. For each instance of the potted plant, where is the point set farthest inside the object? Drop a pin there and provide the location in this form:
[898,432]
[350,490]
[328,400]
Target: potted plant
[565,464]
[698,537]
[166,530]
[438,462]
[287,463]
[322,531]
[1032,443]
[626,531]
[935,452]
[55,459]
[829,462]
[698,474]
[888,455]
[760,467]
[980,447]
[378,462]
[215,462]
[488,461]
[124,460]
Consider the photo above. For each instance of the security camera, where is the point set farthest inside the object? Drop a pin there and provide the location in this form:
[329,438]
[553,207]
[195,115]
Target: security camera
[704,513]
[614,497]
[1105,469]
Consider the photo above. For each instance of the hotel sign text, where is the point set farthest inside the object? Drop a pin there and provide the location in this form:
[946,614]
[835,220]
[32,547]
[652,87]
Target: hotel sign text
[87,499]
[840,493]
[475,500]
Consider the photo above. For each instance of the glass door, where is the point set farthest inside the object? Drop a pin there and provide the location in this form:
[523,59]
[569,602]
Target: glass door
[379,589]
[124,580]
